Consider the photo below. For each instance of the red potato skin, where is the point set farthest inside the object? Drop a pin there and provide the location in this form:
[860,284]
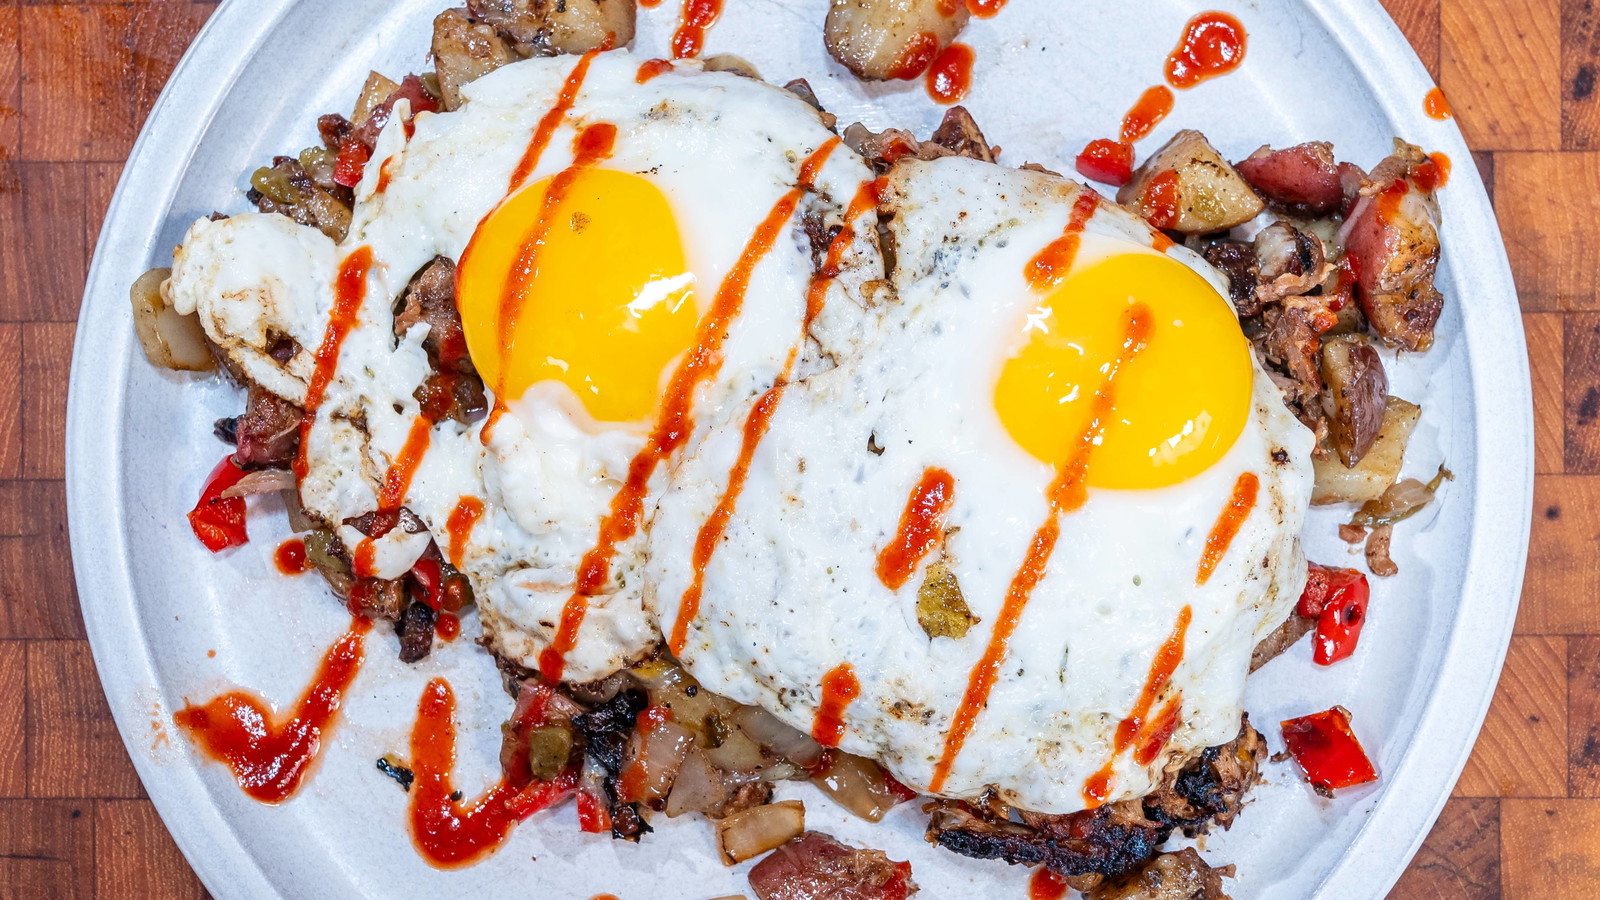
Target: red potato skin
[1303,179]
[814,866]
[1391,244]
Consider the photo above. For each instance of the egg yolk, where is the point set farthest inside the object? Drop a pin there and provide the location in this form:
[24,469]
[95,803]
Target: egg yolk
[1178,403]
[588,288]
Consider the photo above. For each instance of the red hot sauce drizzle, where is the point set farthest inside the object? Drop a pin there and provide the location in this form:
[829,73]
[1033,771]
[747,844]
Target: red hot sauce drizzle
[269,758]
[1098,787]
[1240,503]
[950,76]
[592,145]
[675,420]
[1049,267]
[698,17]
[448,833]
[1046,885]
[985,9]
[1066,493]
[839,689]
[1435,105]
[290,557]
[349,292]
[916,56]
[1213,44]
[921,524]
[1153,106]
[760,419]
[396,484]
[459,526]
[650,68]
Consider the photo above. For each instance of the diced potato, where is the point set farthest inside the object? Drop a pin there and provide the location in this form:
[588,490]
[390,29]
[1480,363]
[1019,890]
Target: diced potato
[373,93]
[464,51]
[1377,470]
[1208,194]
[578,26]
[878,39]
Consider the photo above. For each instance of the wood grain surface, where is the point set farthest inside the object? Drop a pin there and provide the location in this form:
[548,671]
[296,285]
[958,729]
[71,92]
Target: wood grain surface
[75,84]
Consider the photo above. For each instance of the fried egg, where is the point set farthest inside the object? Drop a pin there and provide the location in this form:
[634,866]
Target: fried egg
[1022,521]
[634,258]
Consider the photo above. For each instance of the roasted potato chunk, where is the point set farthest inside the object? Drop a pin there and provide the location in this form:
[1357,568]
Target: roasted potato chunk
[549,27]
[1358,390]
[1187,186]
[879,39]
[1368,479]
[463,51]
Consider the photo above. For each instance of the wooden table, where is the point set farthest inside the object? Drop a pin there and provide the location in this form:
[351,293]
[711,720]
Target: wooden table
[77,80]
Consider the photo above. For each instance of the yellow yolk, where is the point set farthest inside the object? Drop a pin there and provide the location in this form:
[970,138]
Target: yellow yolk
[1178,404]
[601,303]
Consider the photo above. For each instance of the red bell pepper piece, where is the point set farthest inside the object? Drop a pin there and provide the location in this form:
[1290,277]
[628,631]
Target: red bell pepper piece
[218,521]
[541,795]
[1337,599]
[1327,750]
[353,156]
[1107,161]
[593,817]
[430,578]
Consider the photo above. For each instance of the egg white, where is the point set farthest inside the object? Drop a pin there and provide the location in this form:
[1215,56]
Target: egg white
[723,149]
[899,385]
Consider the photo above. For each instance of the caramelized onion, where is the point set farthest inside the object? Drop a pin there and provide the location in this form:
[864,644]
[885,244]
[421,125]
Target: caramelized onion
[1400,501]
[657,756]
[859,785]
[170,340]
[766,729]
[754,831]
[261,481]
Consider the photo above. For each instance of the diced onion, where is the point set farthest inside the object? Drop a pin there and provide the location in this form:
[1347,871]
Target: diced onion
[754,831]
[262,481]
[170,340]
[791,744]
[858,785]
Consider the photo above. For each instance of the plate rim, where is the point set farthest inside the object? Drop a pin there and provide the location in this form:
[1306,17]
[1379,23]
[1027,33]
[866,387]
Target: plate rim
[1494,567]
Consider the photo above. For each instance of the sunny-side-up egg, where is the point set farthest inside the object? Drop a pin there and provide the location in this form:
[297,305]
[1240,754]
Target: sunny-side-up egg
[1022,527]
[634,258]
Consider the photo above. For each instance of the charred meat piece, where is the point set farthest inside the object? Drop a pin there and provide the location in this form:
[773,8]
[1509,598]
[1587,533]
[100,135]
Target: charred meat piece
[814,866]
[1117,838]
[1170,876]
[1358,392]
[957,135]
[1302,180]
[1237,261]
[268,434]
[454,390]
[1391,241]
[1209,790]
[415,630]
[1109,840]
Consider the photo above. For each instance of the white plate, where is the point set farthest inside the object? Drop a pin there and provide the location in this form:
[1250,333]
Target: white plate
[1050,77]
